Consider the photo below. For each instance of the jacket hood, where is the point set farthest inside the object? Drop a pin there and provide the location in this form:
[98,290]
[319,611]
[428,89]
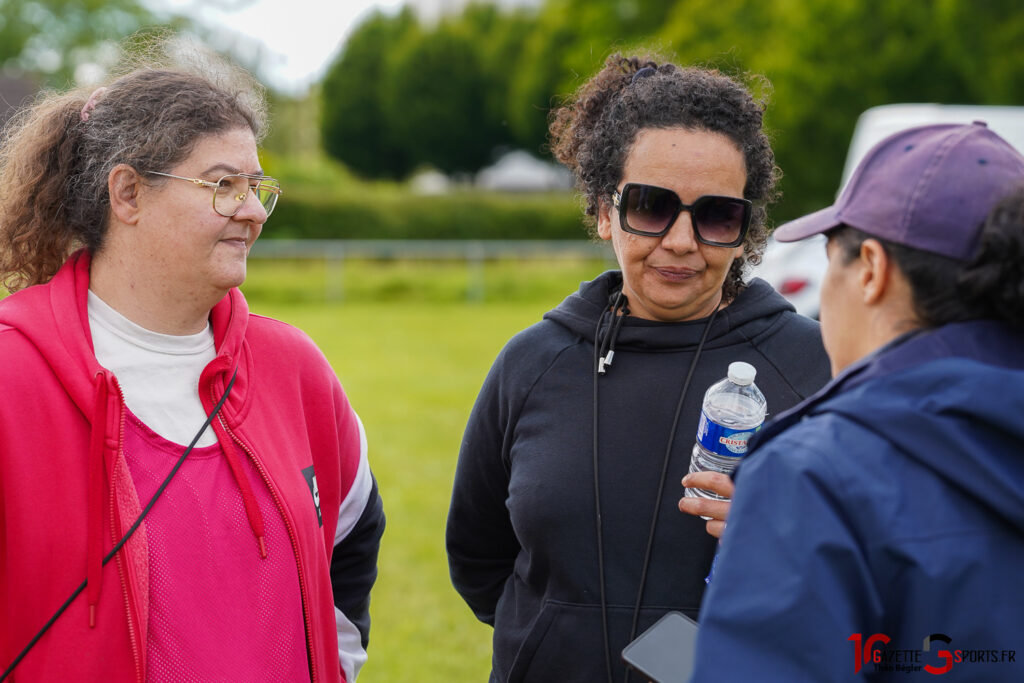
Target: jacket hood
[752,311]
[950,399]
[54,317]
[55,328]
[974,444]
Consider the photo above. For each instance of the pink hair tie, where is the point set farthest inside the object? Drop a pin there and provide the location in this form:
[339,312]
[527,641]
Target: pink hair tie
[91,104]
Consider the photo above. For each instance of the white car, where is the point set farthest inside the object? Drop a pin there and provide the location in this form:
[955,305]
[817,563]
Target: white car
[796,269]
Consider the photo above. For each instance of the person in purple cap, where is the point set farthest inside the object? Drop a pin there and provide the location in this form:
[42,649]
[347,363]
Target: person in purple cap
[878,527]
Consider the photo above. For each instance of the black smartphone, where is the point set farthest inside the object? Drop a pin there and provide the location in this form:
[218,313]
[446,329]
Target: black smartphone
[665,652]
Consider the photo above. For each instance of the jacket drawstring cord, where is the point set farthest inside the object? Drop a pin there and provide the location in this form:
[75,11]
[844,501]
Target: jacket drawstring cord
[94,530]
[252,508]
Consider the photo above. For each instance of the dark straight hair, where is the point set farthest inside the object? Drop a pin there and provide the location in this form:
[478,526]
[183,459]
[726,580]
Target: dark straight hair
[945,290]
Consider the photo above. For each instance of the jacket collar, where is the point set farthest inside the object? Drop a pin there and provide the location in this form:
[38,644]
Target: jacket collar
[55,318]
[983,340]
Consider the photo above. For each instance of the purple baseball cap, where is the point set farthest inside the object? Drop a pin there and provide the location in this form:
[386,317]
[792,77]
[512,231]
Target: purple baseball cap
[927,188]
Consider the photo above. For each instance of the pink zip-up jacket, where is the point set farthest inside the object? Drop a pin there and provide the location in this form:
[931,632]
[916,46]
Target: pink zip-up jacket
[66,494]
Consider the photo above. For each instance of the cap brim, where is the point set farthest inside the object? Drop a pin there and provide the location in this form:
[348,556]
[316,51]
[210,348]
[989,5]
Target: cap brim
[811,224]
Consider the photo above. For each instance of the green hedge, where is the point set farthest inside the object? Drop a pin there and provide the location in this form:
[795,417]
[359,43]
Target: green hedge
[459,215]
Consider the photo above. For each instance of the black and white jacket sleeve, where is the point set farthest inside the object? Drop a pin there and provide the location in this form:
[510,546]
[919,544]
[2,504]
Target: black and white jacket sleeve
[354,563]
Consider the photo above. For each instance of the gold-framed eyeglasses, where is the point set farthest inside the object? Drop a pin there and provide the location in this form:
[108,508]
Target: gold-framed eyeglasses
[230,191]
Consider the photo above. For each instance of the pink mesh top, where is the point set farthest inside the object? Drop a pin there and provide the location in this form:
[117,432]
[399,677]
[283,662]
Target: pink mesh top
[217,610]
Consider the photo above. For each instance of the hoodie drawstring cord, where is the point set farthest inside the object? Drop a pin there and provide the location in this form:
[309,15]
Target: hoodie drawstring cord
[598,348]
[252,508]
[620,310]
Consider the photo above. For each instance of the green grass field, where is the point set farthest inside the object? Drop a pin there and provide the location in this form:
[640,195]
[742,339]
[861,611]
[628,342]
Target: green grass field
[412,354]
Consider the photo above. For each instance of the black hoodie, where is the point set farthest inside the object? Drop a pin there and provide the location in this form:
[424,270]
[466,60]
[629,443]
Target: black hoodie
[521,536]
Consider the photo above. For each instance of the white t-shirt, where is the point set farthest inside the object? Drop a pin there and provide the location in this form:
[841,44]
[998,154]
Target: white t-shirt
[158,373]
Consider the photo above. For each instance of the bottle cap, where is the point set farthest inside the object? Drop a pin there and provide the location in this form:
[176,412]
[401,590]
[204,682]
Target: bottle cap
[742,373]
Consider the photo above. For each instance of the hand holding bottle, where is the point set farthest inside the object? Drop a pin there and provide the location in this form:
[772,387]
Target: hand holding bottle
[714,511]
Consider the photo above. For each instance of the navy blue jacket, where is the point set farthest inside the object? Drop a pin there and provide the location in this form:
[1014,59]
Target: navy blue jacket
[890,503]
[522,541]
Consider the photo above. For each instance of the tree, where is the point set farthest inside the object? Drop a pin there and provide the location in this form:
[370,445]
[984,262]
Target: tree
[53,38]
[353,121]
[844,56]
[829,60]
[489,77]
[499,36]
[436,101]
[569,44]
[402,95]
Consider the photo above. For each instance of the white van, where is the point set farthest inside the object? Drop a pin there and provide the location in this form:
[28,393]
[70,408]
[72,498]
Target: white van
[796,269]
[878,123]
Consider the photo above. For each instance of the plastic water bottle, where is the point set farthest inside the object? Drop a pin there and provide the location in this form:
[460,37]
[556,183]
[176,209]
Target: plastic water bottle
[734,409]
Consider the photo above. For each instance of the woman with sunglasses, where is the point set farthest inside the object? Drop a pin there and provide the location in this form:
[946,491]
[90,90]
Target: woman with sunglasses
[564,531]
[184,490]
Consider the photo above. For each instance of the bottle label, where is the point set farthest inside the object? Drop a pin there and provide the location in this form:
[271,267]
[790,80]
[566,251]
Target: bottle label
[720,440]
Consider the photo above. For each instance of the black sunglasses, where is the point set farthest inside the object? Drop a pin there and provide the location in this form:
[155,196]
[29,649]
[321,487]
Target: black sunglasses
[649,210]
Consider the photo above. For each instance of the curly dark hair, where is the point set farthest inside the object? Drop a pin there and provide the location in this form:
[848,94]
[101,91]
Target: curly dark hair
[945,290]
[593,133]
[54,165]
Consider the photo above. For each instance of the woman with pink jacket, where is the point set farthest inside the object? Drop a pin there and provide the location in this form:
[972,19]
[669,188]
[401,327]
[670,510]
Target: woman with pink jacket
[184,490]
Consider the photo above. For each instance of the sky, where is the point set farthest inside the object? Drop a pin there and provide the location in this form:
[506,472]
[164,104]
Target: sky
[294,41]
